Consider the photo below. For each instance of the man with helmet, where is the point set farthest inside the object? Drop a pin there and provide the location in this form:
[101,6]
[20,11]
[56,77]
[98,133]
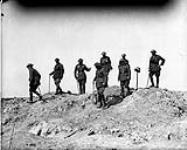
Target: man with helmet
[34,82]
[155,67]
[106,64]
[80,75]
[100,81]
[58,73]
[124,75]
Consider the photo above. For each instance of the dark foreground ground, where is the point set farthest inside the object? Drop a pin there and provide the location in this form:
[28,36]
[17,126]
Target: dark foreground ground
[147,119]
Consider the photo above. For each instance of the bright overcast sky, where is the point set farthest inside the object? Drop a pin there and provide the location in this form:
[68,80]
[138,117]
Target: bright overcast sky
[40,36]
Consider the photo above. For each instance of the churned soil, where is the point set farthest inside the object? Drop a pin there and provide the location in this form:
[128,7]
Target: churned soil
[146,119]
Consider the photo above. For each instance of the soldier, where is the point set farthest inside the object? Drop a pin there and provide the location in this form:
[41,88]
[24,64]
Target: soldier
[106,64]
[155,67]
[80,75]
[100,80]
[124,75]
[58,75]
[34,82]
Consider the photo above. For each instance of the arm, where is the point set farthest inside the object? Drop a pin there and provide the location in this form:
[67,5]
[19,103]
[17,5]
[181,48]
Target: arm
[129,72]
[162,61]
[109,62]
[31,75]
[51,73]
[86,68]
[95,77]
[62,69]
[75,72]
[119,72]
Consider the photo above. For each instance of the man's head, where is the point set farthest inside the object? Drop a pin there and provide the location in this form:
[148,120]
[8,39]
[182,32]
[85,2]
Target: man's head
[57,60]
[29,65]
[98,65]
[123,55]
[80,60]
[153,52]
[103,53]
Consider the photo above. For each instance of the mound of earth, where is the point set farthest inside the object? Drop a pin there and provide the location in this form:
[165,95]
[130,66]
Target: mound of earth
[146,119]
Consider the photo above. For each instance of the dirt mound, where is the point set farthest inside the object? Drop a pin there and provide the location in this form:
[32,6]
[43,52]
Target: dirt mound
[149,118]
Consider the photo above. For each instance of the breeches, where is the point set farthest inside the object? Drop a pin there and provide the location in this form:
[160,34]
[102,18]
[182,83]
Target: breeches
[157,74]
[57,81]
[125,83]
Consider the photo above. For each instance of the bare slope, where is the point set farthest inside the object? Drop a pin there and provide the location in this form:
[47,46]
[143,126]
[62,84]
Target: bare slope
[148,118]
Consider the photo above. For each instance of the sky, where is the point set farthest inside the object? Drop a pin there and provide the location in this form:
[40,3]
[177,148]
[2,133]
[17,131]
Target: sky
[39,36]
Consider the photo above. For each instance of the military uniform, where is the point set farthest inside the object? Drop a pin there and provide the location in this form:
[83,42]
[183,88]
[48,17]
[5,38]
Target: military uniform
[80,76]
[100,79]
[124,76]
[57,76]
[106,64]
[154,67]
[34,82]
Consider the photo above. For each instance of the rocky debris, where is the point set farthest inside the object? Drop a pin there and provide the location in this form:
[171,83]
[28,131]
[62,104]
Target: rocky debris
[69,120]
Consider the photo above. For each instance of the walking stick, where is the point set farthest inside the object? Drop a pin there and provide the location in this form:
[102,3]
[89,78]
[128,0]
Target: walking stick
[147,81]
[78,87]
[49,84]
[137,70]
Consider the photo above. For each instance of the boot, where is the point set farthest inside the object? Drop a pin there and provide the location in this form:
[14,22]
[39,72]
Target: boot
[31,98]
[104,105]
[157,82]
[99,102]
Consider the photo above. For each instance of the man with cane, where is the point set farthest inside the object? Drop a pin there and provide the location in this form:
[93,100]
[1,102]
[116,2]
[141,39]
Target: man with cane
[57,73]
[34,82]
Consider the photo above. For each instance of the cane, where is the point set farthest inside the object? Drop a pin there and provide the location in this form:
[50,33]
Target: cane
[49,83]
[147,81]
[137,70]
[78,87]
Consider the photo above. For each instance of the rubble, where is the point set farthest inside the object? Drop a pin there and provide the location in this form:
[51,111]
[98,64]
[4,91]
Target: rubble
[144,118]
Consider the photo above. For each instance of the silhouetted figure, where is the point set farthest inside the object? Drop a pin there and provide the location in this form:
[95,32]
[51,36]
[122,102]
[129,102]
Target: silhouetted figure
[106,64]
[124,75]
[34,82]
[58,75]
[100,79]
[155,67]
[80,75]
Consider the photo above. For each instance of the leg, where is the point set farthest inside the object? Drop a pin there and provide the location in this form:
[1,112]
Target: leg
[79,83]
[58,88]
[99,97]
[31,96]
[127,87]
[151,78]
[102,97]
[122,88]
[37,93]
[157,79]
[84,87]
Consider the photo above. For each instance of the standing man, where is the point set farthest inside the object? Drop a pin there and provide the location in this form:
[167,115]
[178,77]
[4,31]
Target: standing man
[155,67]
[80,75]
[124,75]
[100,81]
[106,64]
[58,75]
[34,82]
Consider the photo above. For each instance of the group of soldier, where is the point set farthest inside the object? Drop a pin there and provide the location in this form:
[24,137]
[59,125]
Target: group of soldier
[100,80]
